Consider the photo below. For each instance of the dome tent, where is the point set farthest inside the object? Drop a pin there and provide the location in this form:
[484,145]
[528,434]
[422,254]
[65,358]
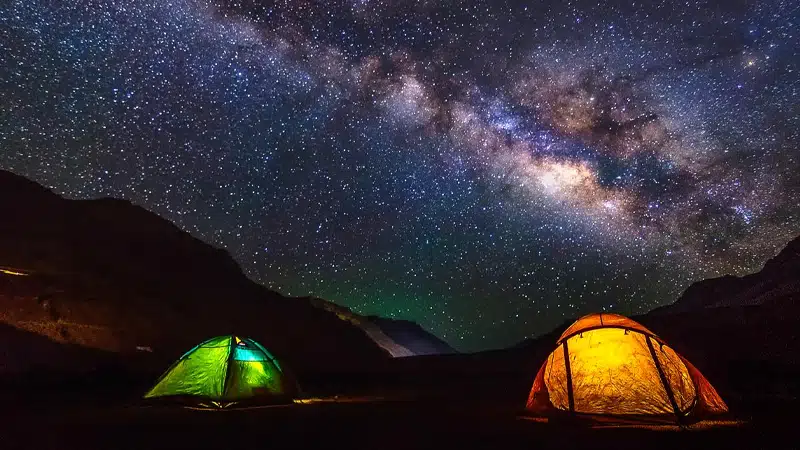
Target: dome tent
[224,371]
[608,366]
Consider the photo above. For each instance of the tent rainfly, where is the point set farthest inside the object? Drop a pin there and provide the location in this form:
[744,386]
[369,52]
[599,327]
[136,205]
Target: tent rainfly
[609,367]
[224,371]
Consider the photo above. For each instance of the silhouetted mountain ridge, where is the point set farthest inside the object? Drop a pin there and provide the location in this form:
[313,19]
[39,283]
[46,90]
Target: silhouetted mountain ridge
[109,275]
[398,337]
[412,336]
[777,282]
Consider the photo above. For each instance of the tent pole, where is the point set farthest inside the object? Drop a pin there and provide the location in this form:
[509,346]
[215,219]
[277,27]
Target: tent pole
[664,380]
[231,349]
[570,394]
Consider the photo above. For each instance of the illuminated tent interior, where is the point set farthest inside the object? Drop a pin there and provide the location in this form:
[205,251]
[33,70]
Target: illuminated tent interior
[224,371]
[607,366]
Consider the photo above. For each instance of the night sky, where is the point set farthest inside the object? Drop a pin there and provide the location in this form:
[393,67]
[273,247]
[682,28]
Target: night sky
[486,169]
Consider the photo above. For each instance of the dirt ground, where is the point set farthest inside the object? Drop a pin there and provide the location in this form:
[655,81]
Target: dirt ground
[448,418]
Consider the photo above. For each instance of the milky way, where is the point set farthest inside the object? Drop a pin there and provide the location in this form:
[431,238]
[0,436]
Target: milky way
[487,169]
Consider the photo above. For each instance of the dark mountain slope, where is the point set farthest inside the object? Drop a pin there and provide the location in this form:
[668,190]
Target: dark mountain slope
[400,338]
[412,336]
[777,282]
[109,275]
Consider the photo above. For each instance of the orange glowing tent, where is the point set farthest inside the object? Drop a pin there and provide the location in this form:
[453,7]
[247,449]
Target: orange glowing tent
[606,366]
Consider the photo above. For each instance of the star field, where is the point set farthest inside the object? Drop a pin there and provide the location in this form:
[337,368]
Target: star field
[486,169]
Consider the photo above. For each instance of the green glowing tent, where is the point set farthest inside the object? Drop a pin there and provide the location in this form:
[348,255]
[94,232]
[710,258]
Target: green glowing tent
[224,371]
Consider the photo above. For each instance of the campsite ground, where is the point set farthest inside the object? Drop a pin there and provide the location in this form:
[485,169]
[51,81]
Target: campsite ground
[460,413]
[362,425]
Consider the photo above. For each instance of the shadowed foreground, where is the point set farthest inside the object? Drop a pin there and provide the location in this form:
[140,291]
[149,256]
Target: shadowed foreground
[447,418]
